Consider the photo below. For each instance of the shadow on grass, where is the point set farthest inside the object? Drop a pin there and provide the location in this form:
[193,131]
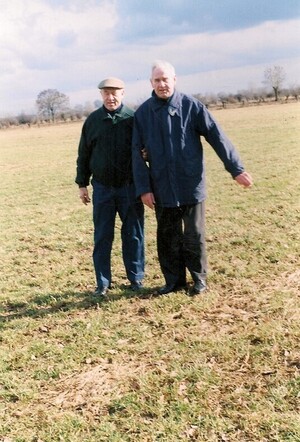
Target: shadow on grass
[42,305]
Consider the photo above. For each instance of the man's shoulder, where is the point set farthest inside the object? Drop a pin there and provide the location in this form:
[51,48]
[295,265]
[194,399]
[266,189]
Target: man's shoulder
[127,111]
[181,96]
[94,115]
[191,102]
[145,105]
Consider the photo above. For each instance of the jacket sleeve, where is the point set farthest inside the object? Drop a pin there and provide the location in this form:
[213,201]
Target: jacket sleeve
[83,159]
[214,135]
[141,173]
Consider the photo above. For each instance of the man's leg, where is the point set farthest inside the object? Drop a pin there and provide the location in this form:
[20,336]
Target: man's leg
[104,213]
[169,245]
[131,213]
[194,241]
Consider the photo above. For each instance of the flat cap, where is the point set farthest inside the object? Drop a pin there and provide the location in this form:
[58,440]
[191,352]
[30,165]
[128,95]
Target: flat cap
[112,82]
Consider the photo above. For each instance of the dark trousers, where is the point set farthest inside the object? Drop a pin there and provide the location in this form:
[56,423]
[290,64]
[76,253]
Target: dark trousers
[107,203]
[181,242]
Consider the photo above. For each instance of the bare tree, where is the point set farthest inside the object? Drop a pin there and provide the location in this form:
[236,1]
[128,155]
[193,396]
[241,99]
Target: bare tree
[275,76]
[50,102]
[25,119]
[295,91]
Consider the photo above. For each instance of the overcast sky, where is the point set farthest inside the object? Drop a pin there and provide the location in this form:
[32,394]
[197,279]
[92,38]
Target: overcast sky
[71,45]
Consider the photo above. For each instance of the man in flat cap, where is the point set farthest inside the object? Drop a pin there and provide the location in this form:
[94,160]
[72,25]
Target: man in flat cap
[104,157]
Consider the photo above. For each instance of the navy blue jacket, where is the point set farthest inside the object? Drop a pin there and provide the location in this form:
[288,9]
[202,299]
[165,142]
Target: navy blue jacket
[170,131]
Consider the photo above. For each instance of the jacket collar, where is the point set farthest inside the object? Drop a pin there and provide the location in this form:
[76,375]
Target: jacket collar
[121,112]
[173,103]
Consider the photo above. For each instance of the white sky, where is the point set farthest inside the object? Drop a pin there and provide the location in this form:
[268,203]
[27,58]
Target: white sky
[71,45]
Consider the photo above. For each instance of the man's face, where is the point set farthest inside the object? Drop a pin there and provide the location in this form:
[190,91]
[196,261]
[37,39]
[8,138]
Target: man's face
[112,98]
[163,83]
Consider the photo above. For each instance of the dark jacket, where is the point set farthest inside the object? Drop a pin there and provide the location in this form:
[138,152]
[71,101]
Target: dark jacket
[104,150]
[171,131]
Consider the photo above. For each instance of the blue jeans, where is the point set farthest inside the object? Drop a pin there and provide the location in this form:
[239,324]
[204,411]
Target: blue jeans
[107,202]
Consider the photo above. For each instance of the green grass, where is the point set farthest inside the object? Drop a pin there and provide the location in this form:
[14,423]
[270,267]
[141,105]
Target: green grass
[219,367]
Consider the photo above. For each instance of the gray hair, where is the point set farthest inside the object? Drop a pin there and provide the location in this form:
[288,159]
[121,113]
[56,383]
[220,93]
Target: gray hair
[164,65]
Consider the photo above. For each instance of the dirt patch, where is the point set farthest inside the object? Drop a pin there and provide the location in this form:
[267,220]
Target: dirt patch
[96,386]
[286,282]
[292,280]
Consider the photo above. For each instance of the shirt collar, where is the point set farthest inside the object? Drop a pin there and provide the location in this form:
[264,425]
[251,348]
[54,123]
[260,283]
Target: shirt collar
[107,114]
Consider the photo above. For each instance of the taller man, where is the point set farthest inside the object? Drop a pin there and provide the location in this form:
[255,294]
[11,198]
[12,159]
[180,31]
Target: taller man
[169,126]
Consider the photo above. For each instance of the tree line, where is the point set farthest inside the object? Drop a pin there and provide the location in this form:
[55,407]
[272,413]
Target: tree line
[53,105]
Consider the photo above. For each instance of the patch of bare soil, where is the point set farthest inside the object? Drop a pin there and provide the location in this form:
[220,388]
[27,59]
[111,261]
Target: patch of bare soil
[102,381]
[94,387]
[288,281]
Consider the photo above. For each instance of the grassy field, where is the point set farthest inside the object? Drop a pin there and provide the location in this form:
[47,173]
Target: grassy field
[222,367]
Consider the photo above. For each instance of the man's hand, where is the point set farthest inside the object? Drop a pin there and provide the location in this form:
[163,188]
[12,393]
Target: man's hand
[148,199]
[144,154]
[84,195]
[244,179]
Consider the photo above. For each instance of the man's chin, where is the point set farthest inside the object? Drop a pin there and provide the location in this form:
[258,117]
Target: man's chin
[164,95]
